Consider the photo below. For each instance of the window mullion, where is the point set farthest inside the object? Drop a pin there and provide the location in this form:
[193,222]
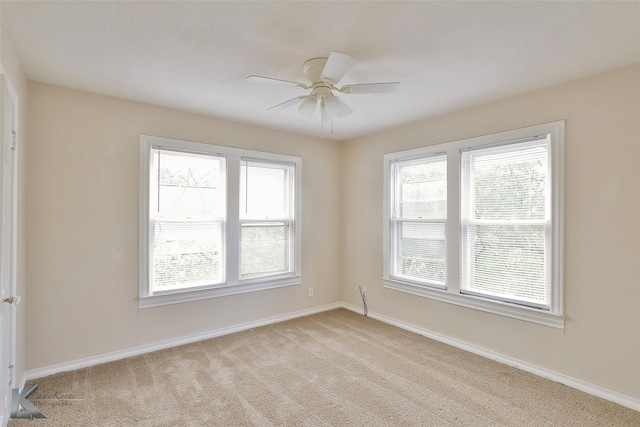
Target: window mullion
[452,228]
[232,226]
[151,193]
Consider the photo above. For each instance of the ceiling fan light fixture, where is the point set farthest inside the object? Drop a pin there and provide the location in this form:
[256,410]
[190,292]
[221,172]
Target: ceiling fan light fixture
[332,106]
[308,106]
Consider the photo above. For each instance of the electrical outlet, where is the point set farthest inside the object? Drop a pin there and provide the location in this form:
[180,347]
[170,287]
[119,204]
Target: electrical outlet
[311,291]
[364,291]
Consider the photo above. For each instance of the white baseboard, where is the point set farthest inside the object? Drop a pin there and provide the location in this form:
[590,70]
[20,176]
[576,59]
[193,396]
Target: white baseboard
[23,381]
[578,384]
[147,348]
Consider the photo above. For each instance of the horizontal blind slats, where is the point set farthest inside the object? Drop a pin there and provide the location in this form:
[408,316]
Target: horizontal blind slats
[418,219]
[266,214]
[187,219]
[505,220]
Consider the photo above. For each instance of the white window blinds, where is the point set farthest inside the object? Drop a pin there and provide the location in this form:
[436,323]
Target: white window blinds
[187,214]
[506,222]
[417,223]
[266,218]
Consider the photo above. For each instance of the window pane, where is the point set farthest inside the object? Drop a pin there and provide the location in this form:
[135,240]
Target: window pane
[505,222]
[189,185]
[420,251]
[265,249]
[266,190]
[187,254]
[187,210]
[508,182]
[507,261]
[422,189]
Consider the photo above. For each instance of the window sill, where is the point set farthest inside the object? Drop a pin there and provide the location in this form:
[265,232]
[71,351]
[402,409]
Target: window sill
[496,307]
[214,292]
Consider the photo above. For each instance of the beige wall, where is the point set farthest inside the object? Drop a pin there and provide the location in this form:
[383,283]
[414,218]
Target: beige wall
[601,341]
[82,238]
[14,72]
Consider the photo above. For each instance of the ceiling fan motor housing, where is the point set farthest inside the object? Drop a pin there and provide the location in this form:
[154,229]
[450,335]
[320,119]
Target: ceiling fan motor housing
[313,70]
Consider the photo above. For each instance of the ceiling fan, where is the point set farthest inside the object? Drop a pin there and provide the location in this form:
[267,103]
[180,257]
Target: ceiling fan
[322,75]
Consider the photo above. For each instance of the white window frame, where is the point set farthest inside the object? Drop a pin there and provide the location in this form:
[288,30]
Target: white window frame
[233,284]
[551,316]
[395,220]
[288,222]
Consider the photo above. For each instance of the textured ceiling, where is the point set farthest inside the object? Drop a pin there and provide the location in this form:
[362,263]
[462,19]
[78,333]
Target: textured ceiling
[194,56]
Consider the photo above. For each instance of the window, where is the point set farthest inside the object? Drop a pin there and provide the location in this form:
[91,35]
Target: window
[186,220]
[266,218]
[418,220]
[478,223]
[216,221]
[506,222]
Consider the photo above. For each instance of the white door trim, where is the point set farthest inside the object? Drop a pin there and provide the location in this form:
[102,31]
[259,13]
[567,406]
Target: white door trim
[8,224]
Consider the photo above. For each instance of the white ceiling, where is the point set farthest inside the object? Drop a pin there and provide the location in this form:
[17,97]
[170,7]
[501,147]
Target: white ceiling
[194,56]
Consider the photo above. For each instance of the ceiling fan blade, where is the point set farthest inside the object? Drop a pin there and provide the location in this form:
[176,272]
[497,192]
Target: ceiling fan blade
[270,80]
[387,87]
[336,67]
[287,104]
[344,110]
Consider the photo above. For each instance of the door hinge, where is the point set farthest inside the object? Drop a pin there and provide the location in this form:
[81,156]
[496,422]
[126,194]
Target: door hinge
[11,375]
[14,141]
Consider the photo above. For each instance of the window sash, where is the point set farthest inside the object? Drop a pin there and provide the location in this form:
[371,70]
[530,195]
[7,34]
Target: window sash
[266,257]
[537,294]
[261,195]
[195,276]
[410,266]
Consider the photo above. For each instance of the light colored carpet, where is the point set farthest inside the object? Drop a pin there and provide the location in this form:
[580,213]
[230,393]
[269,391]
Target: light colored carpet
[336,368]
